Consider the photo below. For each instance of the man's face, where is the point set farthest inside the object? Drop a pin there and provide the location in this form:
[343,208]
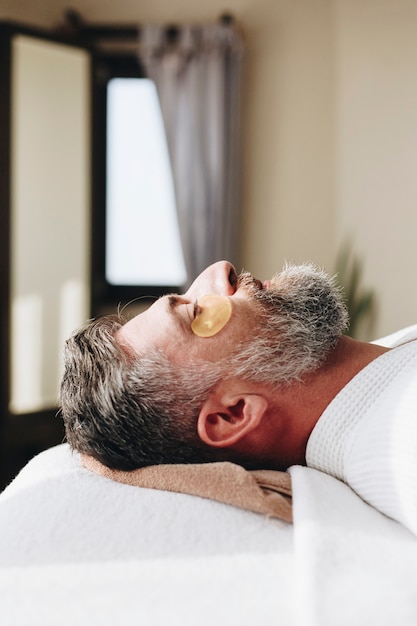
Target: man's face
[277,330]
[167,323]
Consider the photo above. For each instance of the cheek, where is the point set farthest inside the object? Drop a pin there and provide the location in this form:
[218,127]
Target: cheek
[215,313]
[240,327]
[221,346]
[201,350]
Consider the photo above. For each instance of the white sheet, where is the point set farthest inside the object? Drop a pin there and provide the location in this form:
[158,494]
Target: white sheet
[76,548]
[354,565]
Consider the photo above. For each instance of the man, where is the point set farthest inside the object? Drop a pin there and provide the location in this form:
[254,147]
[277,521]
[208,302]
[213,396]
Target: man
[238,370]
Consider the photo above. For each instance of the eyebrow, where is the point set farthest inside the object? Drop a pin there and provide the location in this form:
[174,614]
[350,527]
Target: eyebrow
[172,303]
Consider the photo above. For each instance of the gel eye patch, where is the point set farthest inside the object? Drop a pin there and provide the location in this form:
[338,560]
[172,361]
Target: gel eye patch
[213,315]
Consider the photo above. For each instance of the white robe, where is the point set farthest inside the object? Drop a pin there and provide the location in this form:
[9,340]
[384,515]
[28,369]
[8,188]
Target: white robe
[367,436]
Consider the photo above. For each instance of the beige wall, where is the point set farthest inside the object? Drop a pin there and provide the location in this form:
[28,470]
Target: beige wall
[330,129]
[376,147]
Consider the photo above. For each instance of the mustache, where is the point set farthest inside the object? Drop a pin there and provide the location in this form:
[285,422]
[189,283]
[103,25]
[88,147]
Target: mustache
[248,281]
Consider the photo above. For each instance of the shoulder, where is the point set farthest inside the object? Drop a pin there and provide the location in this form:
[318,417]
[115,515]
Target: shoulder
[400,337]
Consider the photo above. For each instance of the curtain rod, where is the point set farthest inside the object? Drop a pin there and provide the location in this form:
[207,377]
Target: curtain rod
[75,26]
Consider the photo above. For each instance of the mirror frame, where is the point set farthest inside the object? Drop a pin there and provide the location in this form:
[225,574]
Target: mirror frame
[21,435]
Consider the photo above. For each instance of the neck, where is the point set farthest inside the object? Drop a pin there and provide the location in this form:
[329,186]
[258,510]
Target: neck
[296,409]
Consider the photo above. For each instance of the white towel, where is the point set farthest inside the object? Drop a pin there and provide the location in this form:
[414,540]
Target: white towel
[354,565]
[77,548]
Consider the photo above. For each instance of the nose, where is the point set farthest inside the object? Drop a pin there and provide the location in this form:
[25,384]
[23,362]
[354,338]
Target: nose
[219,278]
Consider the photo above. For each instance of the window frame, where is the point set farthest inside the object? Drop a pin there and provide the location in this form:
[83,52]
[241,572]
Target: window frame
[104,295]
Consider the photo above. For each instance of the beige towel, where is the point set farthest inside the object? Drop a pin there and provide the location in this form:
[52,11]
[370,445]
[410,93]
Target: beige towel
[262,491]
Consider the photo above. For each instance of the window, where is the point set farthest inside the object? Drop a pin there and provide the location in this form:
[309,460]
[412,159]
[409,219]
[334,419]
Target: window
[136,241]
[142,236]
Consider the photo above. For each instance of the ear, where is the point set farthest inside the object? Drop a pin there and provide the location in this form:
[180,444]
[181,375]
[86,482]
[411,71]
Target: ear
[224,419]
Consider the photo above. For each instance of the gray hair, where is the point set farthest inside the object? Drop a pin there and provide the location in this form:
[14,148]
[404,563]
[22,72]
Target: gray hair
[129,410]
[303,315]
[126,410]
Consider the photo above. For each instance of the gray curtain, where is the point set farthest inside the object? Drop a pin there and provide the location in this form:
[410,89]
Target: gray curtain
[198,78]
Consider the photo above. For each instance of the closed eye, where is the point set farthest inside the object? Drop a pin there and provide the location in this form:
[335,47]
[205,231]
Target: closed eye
[196,309]
[192,308]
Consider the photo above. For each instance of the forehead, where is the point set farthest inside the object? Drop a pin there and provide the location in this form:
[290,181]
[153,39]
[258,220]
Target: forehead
[166,325]
[156,327]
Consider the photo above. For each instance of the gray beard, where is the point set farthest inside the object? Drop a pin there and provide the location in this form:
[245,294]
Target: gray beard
[301,317]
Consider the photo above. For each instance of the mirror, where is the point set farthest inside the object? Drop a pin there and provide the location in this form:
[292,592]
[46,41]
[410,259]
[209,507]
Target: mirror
[45,210]
[49,213]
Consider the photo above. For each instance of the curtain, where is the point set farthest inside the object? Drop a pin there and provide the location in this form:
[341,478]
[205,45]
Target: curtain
[197,73]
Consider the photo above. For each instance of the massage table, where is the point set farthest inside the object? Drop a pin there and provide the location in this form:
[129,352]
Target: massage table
[80,548]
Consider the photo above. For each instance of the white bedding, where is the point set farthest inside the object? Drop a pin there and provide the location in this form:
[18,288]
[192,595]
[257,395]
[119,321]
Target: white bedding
[76,548]
[354,565]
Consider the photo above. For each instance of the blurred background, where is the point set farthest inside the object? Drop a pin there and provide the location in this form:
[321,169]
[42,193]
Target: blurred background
[327,172]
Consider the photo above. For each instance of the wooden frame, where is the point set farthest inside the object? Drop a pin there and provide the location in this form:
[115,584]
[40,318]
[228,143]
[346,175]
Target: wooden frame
[21,435]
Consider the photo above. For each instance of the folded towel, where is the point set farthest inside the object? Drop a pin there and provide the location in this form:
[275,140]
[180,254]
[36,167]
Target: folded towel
[261,491]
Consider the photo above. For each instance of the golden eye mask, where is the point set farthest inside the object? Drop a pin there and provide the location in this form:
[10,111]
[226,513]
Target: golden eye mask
[213,314]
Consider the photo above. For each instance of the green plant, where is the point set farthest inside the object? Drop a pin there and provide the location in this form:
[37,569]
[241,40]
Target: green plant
[360,301]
